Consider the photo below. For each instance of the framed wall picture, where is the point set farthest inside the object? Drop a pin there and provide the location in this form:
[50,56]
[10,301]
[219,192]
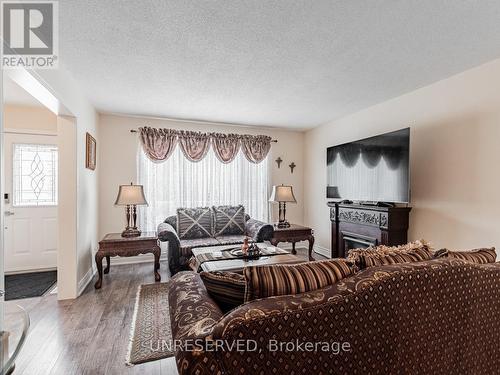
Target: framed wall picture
[91,152]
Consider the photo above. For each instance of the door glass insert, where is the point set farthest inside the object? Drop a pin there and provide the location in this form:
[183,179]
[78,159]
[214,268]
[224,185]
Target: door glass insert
[34,175]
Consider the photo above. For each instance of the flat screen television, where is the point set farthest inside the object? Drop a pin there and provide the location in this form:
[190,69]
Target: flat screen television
[375,169]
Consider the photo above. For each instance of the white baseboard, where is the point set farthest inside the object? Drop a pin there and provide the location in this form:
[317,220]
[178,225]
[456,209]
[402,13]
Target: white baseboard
[82,284]
[20,270]
[322,251]
[316,248]
[143,258]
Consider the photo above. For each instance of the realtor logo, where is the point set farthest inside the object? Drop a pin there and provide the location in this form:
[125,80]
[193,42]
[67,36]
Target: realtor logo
[29,33]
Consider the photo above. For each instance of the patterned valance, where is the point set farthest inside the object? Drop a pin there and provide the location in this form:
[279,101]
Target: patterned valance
[158,144]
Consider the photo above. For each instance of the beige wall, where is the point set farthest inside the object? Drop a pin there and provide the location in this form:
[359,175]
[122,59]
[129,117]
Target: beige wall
[455,132]
[117,149]
[27,118]
[63,86]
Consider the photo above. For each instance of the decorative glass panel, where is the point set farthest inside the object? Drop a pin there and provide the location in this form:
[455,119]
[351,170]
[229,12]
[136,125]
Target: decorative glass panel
[35,175]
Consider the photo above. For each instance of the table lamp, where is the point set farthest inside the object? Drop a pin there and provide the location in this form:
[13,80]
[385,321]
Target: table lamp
[131,196]
[282,194]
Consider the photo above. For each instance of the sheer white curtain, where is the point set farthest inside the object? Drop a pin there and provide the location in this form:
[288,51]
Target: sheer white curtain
[178,182]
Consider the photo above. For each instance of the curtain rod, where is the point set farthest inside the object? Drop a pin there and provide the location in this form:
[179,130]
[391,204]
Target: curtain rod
[135,131]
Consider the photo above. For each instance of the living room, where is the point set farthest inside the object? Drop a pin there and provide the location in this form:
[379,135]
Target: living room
[233,187]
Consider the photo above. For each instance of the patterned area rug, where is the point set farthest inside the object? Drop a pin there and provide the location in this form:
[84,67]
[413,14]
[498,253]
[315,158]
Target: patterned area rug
[150,335]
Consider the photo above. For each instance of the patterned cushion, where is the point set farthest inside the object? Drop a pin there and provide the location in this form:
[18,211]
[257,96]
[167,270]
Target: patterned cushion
[226,288]
[277,280]
[479,256]
[194,222]
[229,220]
[417,251]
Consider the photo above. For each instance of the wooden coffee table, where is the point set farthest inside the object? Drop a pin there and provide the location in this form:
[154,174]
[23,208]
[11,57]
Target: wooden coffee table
[113,244]
[237,265]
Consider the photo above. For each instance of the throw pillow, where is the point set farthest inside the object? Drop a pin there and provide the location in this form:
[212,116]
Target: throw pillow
[417,251]
[278,280]
[226,288]
[194,222]
[480,256]
[229,220]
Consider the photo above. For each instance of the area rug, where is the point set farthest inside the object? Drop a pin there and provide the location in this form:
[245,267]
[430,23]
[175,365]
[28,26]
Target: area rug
[27,285]
[150,335]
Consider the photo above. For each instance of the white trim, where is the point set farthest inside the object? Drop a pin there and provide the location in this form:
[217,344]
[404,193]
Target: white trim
[198,122]
[85,280]
[47,133]
[20,270]
[322,251]
[143,258]
[316,248]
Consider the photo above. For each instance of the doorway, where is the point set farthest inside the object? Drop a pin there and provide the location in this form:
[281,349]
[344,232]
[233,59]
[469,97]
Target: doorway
[30,196]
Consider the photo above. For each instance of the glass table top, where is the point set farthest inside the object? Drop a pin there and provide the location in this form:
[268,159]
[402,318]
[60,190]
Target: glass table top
[14,327]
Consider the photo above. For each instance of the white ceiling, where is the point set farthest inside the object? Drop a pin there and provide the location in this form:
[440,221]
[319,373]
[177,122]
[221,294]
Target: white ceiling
[287,63]
[15,94]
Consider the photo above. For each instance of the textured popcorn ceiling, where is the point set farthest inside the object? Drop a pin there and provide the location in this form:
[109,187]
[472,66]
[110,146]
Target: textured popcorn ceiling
[289,63]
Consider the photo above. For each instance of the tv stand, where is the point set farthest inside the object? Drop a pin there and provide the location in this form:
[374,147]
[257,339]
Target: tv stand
[361,226]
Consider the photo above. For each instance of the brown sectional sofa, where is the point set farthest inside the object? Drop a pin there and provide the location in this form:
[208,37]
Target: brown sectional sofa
[434,317]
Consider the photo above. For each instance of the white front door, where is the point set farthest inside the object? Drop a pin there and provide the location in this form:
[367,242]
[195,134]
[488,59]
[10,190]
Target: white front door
[30,202]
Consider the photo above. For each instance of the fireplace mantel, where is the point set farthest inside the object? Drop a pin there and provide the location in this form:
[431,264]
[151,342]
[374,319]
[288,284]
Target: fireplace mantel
[356,225]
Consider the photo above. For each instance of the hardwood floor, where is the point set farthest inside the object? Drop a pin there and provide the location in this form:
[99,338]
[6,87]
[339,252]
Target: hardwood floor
[90,335]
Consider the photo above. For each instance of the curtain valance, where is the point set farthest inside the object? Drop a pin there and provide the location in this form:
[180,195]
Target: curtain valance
[158,144]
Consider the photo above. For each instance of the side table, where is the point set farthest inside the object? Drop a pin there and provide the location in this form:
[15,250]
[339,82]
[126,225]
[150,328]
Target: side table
[113,244]
[293,234]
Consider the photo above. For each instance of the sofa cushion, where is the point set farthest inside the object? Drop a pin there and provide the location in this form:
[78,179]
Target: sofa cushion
[382,255]
[187,245]
[234,239]
[226,288]
[479,256]
[229,220]
[277,280]
[194,222]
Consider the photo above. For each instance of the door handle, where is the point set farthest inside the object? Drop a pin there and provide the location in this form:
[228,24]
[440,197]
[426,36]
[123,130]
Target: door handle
[8,213]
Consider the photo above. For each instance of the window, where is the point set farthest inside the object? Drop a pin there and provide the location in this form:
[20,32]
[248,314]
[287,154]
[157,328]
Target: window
[178,182]
[34,175]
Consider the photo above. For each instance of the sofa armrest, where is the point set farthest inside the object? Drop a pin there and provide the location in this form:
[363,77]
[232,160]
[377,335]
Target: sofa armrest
[258,230]
[167,233]
[193,314]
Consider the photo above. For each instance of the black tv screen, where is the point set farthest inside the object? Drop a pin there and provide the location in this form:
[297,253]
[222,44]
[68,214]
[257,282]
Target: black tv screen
[375,169]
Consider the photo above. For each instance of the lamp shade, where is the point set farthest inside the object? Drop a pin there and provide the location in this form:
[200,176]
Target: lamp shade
[131,194]
[282,193]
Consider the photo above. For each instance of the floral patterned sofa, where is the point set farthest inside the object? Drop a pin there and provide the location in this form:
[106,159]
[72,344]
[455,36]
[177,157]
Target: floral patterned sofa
[208,226]
[433,317]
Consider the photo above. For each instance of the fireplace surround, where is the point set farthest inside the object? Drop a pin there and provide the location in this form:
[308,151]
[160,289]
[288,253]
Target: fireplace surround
[360,226]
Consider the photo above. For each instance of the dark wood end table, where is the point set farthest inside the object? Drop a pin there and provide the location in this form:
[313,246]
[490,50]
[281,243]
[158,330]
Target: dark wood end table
[293,234]
[113,244]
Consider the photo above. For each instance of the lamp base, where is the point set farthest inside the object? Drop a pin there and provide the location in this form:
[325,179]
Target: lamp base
[131,232]
[282,224]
